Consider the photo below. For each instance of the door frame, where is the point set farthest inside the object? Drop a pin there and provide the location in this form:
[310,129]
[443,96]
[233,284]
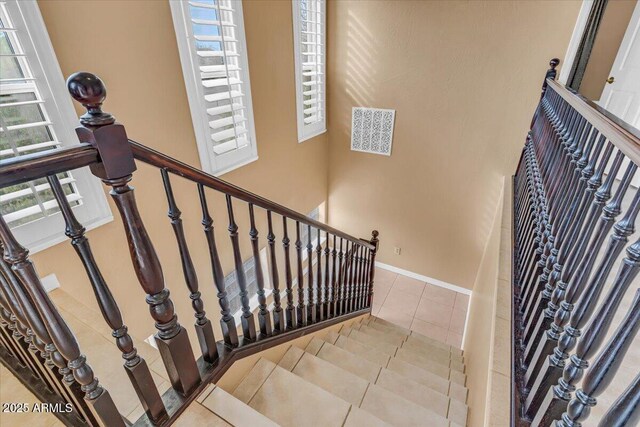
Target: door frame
[574,44]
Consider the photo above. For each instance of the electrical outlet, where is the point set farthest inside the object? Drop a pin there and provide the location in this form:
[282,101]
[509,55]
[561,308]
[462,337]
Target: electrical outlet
[397,250]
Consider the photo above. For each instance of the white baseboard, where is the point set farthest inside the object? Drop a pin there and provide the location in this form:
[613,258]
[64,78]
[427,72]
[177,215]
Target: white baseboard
[422,278]
[50,282]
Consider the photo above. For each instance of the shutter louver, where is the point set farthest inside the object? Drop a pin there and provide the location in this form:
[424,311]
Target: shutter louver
[215,43]
[25,128]
[309,33]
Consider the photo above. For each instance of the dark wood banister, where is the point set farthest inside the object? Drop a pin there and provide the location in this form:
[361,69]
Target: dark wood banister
[624,136]
[38,165]
[159,160]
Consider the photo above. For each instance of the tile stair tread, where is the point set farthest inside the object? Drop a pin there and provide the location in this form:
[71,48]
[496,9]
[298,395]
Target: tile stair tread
[253,380]
[233,411]
[429,379]
[366,369]
[374,328]
[360,418]
[351,388]
[289,400]
[393,339]
[378,322]
[398,411]
[349,361]
[434,353]
[362,350]
[384,347]
[429,365]
[424,346]
[335,380]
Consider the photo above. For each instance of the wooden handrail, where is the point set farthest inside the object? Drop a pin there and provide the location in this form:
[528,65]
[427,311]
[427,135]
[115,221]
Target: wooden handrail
[159,160]
[624,136]
[38,165]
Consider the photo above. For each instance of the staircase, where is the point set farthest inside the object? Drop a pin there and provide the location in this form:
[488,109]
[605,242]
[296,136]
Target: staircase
[371,373]
[366,373]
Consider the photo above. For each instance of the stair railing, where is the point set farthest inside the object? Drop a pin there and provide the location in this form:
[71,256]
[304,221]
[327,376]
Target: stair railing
[40,349]
[575,207]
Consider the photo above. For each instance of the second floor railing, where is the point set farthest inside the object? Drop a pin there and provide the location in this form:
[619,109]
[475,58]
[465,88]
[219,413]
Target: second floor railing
[316,281]
[576,205]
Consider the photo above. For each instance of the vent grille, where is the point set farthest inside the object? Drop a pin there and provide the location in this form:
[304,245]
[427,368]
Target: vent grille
[372,130]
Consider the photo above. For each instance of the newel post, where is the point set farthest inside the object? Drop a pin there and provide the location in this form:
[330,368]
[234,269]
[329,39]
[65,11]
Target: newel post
[115,170]
[551,74]
[372,267]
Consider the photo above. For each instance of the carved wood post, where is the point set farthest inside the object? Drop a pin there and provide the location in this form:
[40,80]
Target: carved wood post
[203,327]
[135,366]
[372,265]
[115,170]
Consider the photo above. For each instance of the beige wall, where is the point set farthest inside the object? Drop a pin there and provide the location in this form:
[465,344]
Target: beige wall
[480,324]
[132,46]
[464,78]
[614,24]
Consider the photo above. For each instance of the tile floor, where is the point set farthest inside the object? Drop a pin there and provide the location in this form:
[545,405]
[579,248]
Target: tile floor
[427,309]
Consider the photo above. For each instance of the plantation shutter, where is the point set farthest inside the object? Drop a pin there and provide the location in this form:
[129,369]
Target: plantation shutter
[309,43]
[25,125]
[221,99]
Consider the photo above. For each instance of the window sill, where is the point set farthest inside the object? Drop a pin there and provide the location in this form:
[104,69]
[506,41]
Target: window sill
[311,135]
[236,166]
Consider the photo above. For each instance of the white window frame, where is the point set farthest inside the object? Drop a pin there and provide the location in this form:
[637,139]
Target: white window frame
[93,210]
[215,164]
[308,131]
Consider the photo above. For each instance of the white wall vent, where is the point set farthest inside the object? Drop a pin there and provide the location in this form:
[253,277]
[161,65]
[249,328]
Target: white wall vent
[372,130]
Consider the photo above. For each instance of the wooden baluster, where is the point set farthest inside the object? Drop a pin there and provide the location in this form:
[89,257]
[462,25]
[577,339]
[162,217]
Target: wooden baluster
[356,278]
[135,366]
[367,271]
[203,327]
[97,397]
[248,323]
[301,309]
[227,322]
[290,315]
[334,279]
[625,411]
[278,319]
[345,282]
[552,366]
[566,236]
[326,314]
[564,207]
[115,170]
[311,302]
[359,263]
[340,282]
[319,299]
[558,396]
[601,373]
[63,379]
[18,341]
[351,277]
[264,318]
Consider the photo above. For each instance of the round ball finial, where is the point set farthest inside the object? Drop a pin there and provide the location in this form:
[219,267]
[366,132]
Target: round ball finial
[375,233]
[89,90]
[554,63]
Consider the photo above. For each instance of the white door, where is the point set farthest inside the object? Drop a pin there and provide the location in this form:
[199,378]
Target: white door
[622,97]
